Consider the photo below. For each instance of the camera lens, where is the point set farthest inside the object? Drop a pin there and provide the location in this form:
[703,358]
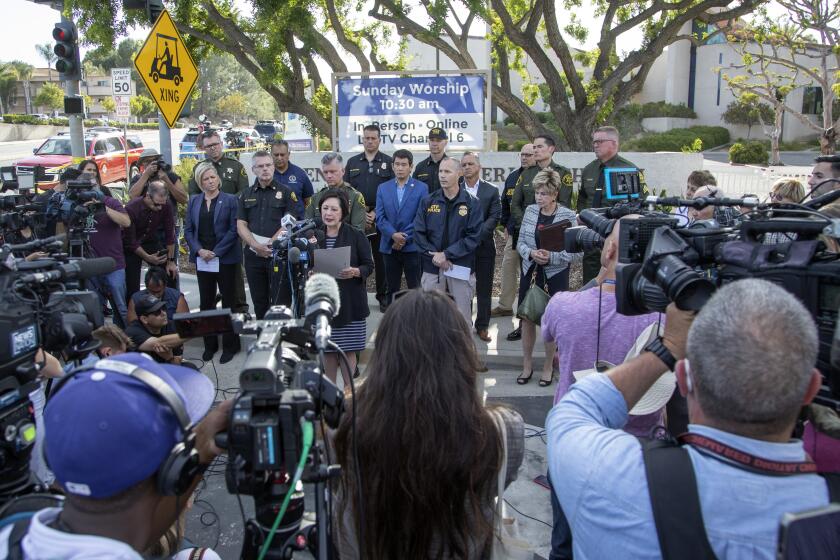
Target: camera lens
[682,284]
[580,239]
[597,222]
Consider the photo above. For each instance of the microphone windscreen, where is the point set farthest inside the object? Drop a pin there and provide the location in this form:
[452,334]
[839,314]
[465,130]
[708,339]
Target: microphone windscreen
[294,255]
[322,286]
[90,268]
[288,221]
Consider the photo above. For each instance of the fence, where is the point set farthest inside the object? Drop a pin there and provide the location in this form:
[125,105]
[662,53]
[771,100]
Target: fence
[757,180]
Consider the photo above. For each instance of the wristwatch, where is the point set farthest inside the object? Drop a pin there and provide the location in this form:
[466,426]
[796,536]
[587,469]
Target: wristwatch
[658,349]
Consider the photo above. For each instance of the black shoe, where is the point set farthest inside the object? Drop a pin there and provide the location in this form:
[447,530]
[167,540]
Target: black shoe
[208,354]
[515,334]
[357,373]
[226,357]
[523,379]
[382,307]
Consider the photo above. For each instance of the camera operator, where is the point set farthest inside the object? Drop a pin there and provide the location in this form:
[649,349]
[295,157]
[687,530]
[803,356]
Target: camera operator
[106,241]
[696,180]
[746,367]
[56,208]
[155,168]
[723,215]
[123,489]
[154,333]
[150,237]
[155,280]
[826,167]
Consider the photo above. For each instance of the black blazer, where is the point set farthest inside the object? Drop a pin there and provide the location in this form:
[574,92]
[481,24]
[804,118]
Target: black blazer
[491,213]
[353,293]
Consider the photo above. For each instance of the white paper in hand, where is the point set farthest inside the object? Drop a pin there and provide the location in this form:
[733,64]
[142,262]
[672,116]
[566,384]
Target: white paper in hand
[207,266]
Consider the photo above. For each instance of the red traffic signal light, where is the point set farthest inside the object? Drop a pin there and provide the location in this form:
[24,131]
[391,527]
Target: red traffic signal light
[67,51]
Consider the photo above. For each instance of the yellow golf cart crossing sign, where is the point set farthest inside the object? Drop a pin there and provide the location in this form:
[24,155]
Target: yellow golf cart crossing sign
[167,68]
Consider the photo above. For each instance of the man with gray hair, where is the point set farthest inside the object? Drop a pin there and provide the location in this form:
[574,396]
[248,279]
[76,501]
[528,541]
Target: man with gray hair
[332,168]
[746,368]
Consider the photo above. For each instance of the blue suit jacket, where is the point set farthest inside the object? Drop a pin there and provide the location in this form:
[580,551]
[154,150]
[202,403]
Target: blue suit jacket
[227,246]
[391,217]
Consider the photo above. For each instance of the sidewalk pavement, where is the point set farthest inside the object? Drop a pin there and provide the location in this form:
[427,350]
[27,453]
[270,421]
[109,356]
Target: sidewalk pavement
[503,359]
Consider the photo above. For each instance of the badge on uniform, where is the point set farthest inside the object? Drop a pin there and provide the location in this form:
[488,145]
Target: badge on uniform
[462,210]
[292,179]
[278,195]
[230,169]
[567,179]
[384,165]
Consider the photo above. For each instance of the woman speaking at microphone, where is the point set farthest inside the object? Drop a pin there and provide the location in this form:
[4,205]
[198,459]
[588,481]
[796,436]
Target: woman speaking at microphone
[349,327]
[210,232]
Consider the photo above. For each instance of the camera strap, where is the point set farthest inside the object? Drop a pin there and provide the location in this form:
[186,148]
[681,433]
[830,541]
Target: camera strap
[675,501]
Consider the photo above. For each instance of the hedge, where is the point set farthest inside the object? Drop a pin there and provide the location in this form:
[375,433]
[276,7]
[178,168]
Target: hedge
[62,121]
[674,140]
[748,152]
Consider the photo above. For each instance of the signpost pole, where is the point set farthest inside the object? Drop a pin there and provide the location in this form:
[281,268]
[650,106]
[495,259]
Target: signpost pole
[165,139]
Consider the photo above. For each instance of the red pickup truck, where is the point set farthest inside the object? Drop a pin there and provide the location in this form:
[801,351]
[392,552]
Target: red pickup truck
[107,150]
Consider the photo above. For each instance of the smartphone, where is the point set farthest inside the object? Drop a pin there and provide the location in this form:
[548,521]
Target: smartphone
[812,534]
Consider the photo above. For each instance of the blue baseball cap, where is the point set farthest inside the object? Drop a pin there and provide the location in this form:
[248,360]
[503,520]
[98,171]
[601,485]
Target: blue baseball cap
[107,431]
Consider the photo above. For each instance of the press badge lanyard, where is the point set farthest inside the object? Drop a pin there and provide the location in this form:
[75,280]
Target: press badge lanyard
[611,282]
[743,460]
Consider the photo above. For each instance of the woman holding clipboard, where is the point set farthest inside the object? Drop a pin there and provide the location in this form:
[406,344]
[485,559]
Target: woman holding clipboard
[544,269]
[349,327]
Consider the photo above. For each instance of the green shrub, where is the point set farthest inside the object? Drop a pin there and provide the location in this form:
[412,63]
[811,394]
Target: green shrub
[503,146]
[674,140]
[518,145]
[663,109]
[748,152]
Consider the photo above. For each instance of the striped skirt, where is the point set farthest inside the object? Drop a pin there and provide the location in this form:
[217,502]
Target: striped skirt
[352,336]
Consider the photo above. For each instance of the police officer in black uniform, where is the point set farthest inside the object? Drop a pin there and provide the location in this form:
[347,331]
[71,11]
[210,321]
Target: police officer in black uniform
[427,170]
[365,172]
[261,209]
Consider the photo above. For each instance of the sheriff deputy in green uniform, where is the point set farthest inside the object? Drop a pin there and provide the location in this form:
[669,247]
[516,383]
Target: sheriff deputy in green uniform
[427,170]
[332,168]
[234,180]
[231,172]
[523,193]
[605,145]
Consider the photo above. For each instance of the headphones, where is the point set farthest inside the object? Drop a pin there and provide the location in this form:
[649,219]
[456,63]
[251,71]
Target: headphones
[178,470]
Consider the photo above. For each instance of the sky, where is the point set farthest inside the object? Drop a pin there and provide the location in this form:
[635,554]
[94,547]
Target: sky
[31,24]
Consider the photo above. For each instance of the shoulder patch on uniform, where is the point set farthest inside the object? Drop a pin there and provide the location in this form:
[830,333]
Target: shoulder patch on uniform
[293,196]
[567,179]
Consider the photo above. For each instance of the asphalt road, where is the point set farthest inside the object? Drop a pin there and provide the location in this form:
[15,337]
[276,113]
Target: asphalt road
[10,152]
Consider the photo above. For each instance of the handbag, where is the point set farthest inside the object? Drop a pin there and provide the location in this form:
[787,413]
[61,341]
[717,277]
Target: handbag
[507,541]
[535,301]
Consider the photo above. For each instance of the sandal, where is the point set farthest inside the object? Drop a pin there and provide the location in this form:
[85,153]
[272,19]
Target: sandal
[546,382]
[522,380]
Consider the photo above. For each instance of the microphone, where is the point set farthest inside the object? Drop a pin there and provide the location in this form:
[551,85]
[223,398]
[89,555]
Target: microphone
[73,270]
[288,222]
[294,255]
[322,301]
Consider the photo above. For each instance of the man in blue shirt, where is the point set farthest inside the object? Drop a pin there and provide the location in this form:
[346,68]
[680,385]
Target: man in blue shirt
[288,174]
[746,367]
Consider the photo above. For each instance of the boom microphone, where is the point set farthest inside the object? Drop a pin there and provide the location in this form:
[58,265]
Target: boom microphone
[294,255]
[73,270]
[322,301]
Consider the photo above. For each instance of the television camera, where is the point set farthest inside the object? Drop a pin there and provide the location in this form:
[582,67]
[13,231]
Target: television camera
[270,437]
[662,260]
[42,306]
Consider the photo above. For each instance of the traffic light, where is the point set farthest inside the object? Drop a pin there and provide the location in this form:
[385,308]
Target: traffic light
[153,7]
[67,50]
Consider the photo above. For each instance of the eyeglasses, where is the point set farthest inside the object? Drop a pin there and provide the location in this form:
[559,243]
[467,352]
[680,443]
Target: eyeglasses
[214,145]
[598,142]
[523,154]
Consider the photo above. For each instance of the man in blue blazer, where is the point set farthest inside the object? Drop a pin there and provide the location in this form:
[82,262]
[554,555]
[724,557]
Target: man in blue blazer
[397,201]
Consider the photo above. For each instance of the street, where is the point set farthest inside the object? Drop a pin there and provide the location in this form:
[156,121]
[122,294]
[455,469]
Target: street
[10,152]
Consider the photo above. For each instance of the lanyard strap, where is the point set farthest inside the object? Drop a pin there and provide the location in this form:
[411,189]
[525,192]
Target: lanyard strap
[598,332]
[744,460]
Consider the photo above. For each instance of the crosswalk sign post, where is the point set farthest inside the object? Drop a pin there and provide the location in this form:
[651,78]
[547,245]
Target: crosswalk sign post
[166,67]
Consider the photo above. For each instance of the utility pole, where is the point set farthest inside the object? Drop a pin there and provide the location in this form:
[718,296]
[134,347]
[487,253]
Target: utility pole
[70,71]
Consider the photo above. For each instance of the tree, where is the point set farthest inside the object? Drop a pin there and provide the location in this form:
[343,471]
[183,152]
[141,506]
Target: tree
[46,52]
[50,96]
[232,105]
[282,42]
[748,112]
[109,104]
[24,72]
[142,106]
[802,49]
[8,84]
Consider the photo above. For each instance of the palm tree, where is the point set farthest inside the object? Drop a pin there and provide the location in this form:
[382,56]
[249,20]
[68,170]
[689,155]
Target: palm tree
[46,52]
[8,83]
[24,72]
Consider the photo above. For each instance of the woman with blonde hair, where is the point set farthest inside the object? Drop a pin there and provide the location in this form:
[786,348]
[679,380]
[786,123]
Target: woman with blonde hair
[784,191]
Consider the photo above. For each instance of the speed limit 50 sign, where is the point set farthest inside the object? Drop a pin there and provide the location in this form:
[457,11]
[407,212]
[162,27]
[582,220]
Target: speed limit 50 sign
[120,81]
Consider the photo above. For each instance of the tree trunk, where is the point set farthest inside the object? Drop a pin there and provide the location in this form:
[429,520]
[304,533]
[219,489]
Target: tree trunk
[775,136]
[828,141]
[27,101]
